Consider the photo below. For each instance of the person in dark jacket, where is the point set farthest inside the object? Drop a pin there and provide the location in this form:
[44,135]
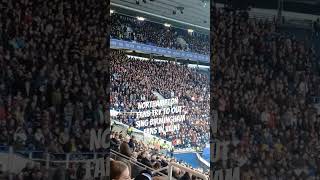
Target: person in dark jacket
[132,143]
[124,148]
[27,172]
[145,160]
[144,175]
[114,142]
[186,176]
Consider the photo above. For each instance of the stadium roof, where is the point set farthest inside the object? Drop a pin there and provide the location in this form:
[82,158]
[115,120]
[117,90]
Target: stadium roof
[299,6]
[187,14]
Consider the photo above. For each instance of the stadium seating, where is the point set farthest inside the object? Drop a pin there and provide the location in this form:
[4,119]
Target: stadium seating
[263,88]
[131,29]
[52,82]
[134,80]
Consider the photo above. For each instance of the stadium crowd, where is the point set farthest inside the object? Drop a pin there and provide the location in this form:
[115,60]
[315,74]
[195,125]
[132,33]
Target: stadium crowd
[52,76]
[264,81]
[131,29]
[147,155]
[135,80]
[52,82]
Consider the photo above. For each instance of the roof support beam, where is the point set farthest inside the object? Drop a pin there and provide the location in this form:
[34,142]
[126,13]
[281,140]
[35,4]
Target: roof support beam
[159,16]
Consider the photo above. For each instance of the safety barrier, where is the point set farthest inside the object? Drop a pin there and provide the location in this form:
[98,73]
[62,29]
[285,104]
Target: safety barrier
[50,161]
[136,166]
[134,163]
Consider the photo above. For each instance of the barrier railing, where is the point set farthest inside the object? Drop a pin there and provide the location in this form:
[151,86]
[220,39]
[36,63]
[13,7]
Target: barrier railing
[8,155]
[257,14]
[64,161]
[315,99]
[118,156]
[190,171]
[169,168]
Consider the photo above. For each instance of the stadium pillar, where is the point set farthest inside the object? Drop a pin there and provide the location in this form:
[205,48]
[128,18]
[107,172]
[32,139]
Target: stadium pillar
[170,171]
[10,160]
[280,9]
[67,160]
[47,160]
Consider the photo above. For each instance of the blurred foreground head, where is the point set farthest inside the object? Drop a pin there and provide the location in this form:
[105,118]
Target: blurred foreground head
[119,171]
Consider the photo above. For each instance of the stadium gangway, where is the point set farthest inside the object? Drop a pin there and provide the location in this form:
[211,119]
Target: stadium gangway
[169,168]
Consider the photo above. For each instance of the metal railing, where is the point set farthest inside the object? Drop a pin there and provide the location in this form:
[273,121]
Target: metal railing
[13,160]
[169,168]
[190,171]
[118,156]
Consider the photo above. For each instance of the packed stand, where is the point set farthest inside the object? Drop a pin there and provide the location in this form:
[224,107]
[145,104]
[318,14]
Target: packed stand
[135,80]
[131,29]
[53,67]
[263,84]
[146,155]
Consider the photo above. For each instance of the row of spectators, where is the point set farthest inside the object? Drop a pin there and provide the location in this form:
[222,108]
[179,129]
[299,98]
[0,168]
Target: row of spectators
[132,29]
[38,171]
[134,80]
[52,74]
[263,82]
[148,155]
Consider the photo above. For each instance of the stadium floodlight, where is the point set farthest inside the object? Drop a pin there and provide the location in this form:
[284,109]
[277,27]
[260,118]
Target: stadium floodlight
[111,11]
[190,30]
[140,18]
[167,25]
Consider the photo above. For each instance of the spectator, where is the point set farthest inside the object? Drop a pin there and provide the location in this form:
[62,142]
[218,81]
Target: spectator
[132,143]
[124,148]
[145,159]
[119,171]
[26,172]
[144,175]
[186,176]
[115,143]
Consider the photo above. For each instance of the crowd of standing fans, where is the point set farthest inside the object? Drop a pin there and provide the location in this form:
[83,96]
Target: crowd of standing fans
[52,74]
[52,86]
[134,80]
[131,29]
[263,86]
